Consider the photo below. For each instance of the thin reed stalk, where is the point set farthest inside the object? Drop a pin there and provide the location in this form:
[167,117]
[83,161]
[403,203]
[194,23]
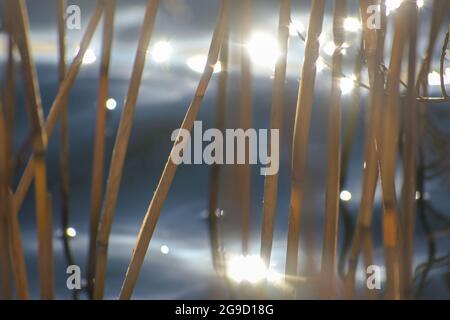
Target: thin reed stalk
[120,148]
[216,168]
[99,142]
[5,263]
[58,103]
[387,151]
[301,133]
[44,219]
[330,233]
[245,119]
[410,114]
[374,49]
[276,119]
[160,194]
[440,7]
[10,232]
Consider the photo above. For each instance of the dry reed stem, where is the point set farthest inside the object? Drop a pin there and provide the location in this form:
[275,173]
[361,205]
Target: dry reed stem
[437,16]
[301,133]
[10,85]
[216,168]
[330,231]
[245,119]
[440,7]
[410,114]
[374,49]
[160,194]
[44,219]
[57,105]
[5,263]
[271,181]
[99,142]
[64,146]
[120,148]
[387,151]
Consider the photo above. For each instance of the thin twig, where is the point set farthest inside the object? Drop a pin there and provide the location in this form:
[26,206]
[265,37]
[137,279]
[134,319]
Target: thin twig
[301,133]
[271,181]
[99,142]
[44,219]
[154,210]
[57,105]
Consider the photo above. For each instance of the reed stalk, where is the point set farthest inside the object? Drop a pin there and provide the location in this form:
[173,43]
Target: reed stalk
[58,103]
[213,205]
[245,119]
[64,134]
[44,219]
[7,140]
[276,119]
[410,114]
[301,133]
[99,142]
[330,233]
[374,49]
[387,151]
[160,194]
[119,153]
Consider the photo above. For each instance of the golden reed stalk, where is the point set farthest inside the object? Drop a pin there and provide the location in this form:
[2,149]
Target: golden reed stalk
[374,49]
[7,141]
[276,119]
[387,151]
[120,148]
[58,104]
[64,135]
[301,133]
[213,206]
[330,231]
[99,142]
